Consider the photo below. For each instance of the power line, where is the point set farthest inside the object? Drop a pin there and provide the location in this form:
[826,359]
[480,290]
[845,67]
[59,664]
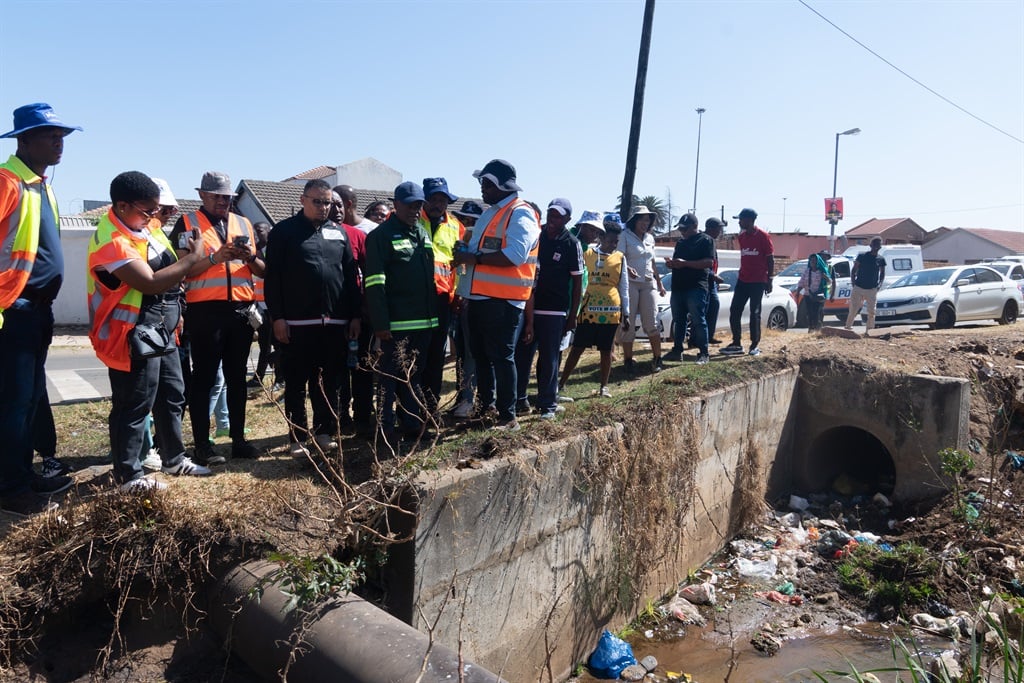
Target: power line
[939,95]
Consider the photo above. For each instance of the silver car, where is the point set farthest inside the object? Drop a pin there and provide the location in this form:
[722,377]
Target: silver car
[941,297]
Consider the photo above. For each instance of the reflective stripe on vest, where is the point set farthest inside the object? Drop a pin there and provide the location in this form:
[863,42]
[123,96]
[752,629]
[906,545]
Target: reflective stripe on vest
[114,312]
[19,233]
[228,281]
[512,283]
[443,240]
[258,288]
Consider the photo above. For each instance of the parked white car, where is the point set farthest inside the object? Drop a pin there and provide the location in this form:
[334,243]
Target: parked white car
[778,309]
[941,297]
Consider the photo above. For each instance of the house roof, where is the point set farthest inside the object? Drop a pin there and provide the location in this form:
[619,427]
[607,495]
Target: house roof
[184,206]
[1007,239]
[313,173]
[875,226]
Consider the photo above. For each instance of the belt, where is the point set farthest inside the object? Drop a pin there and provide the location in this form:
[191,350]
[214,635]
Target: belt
[37,296]
[322,320]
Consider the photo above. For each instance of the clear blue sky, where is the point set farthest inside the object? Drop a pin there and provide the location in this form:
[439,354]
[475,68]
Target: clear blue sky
[267,89]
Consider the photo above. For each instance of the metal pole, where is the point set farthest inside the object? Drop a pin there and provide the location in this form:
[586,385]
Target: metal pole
[638,112]
[696,171]
[832,222]
[783,214]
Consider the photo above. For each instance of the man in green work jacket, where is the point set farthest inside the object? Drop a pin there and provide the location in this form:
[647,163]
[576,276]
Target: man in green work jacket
[400,294]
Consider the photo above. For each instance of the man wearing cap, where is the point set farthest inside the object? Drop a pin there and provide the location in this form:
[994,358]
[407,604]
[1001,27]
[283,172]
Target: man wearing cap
[445,230]
[466,366]
[31,274]
[556,292]
[691,265]
[713,228]
[757,268]
[313,297]
[219,294]
[402,301]
[501,262]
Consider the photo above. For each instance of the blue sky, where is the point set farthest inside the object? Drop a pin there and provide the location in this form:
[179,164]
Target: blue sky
[265,90]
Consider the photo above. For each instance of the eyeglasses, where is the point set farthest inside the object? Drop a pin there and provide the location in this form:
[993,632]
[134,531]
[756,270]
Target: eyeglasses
[168,210]
[319,202]
[148,213]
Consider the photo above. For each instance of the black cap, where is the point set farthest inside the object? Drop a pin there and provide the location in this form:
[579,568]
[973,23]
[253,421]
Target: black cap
[746,213]
[715,222]
[688,220]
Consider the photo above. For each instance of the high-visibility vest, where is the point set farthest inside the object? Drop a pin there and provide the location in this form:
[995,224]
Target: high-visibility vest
[448,232]
[19,231]
[258,288]
[513,283]
[601,303]
[213,283]
[114,312]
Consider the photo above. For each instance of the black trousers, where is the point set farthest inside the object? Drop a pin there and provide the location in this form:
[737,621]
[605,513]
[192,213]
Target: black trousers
[752,292]
[357,383]
[433,368]
[314,356]
[218,334]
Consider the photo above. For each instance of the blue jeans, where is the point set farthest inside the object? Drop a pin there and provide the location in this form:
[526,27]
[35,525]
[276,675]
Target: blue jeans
[219,401]
[692,302]
[547,337]
[24,341]
[493,328]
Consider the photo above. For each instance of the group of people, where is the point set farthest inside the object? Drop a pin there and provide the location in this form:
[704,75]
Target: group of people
[358,310]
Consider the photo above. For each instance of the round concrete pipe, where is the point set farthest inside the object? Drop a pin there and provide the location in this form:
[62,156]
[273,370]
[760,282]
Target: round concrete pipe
[850,460]
[352,641]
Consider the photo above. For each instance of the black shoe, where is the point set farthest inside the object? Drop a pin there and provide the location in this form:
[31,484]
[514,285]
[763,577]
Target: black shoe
[714,341]
[205,455]
[658,365]
[673,356]
[254,383]
[523,407]
[26,503]
[242,449]
[48,486]
[630,365]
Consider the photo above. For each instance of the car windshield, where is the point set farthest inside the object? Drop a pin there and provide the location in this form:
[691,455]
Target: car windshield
[1003,268]
[795,269]
[924,278]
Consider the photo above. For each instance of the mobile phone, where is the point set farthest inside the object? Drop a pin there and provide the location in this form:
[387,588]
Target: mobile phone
[240,241]
[184,237]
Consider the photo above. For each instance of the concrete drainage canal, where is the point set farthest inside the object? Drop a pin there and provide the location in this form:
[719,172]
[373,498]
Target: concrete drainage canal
[519,564]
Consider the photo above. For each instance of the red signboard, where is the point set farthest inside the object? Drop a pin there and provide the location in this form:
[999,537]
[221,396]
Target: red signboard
[833,209]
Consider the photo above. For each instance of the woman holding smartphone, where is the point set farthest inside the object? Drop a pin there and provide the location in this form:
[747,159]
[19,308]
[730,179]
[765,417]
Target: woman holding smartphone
[134,308]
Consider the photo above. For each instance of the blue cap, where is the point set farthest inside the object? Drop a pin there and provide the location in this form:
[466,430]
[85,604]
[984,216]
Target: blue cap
[470,208]
[435,185]
[409,193]
[612,220]
[36,116]
[561,205]
[746,213]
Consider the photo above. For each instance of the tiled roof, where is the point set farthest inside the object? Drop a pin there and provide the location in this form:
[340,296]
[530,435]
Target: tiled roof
[1009,239]
[875,226]
[313,173]
[184,206]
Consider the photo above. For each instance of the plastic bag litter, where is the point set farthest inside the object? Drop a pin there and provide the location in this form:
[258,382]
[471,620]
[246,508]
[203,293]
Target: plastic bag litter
[762,570]
[683,610]
[611,656]
[699,594]
[799,504]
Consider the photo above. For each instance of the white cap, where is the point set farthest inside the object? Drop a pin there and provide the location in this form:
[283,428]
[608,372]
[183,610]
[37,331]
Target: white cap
[166,196]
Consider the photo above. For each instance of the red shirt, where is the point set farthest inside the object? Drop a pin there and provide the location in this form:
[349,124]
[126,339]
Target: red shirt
[357,242]
[755,248]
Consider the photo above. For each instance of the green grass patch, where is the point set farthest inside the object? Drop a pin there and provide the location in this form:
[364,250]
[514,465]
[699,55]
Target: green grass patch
[892,582]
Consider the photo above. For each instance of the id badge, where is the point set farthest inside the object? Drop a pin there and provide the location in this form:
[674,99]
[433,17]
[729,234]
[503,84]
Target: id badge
[492,243]
[333,234]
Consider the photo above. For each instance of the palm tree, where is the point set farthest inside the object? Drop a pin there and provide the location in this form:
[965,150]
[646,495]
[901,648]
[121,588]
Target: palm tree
[656,204]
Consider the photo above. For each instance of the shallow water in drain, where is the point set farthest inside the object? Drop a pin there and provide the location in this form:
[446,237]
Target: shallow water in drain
[706,655]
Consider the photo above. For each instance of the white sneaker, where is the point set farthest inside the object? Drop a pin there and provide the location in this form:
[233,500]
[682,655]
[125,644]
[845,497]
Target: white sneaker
[565,399]
[326,442]
[463,410]
[142,484]
[152,461]
[187,467]
[605,392]
[297,450]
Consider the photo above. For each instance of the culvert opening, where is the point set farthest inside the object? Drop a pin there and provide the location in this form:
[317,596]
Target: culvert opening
[851,461]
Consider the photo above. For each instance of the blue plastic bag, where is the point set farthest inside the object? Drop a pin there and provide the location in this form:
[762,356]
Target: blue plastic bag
[611,656]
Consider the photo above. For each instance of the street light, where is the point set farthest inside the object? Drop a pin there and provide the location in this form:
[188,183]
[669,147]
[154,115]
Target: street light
[700,119]
[835,177]
[783,214]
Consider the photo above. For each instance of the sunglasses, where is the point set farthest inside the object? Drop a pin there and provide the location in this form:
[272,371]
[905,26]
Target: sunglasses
[319,202]
[148,213]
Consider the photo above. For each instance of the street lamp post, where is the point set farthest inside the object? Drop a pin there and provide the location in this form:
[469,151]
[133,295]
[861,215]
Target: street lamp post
[783,214]
[696,172]
[835,177]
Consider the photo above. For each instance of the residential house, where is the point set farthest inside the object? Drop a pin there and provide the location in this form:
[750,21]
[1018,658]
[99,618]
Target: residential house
[971,245]
[367,173]
[891,230]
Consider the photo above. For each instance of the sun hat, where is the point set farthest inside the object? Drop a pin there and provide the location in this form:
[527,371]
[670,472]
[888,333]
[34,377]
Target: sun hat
[501,173]
[593,219]
[166,196]
[470,209]
[36,115]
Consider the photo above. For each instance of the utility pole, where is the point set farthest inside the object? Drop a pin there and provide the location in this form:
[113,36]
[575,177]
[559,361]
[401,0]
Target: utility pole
[696,170]
[638,111]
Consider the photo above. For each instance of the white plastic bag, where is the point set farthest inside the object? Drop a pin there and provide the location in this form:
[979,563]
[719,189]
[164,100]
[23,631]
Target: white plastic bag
[760,570]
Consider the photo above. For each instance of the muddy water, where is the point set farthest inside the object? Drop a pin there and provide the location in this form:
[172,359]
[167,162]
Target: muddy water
[708,657]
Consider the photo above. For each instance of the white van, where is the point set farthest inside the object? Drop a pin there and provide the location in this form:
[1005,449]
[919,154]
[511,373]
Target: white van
[727,258]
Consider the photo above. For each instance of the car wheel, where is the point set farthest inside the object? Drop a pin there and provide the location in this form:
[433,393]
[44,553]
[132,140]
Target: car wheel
[945,318]
[777,319]
[1009,314]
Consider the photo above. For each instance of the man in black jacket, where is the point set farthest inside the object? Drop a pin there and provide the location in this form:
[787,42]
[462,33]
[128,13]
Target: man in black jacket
[313,297]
